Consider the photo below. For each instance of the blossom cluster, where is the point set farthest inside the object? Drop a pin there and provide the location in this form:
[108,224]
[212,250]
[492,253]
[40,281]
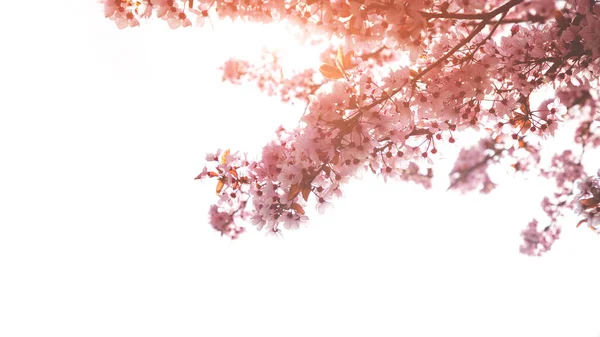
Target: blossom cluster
[470,170]
[269,76]
[565,169]
[588,202]
[389,123]
[474,65]
[537,242]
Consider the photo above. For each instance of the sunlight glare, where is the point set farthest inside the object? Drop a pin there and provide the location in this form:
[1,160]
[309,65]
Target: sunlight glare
[250,40]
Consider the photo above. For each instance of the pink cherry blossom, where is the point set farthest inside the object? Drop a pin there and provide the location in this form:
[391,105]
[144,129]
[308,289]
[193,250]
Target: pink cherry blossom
[201,13]
[177,18]
[469,172]
[125,20]
[113,6]
[474,66]
[588,201]
[538,242]
[223,222]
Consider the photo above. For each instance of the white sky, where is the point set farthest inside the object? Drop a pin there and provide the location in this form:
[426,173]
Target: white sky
[103,231]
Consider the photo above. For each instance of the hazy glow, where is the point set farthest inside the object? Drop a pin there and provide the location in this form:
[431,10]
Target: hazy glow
[103,230]
[276,37]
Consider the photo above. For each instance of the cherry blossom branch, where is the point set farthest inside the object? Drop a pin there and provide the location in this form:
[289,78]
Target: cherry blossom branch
[422,73]
[466,173]
[502,9]
[361,122]
[456,16]
[532,19]
[472,54]
[478,16]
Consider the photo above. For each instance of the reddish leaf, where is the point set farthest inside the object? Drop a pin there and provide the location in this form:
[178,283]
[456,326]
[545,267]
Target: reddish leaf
[294,190]
[589,203]
[521,121]
[233,173]
[331,72]
[220,185]
[581,222]
[348,60]
[296,207]
[306,192]
[353,104]
[344,14]
[413,73]
[523,108]
[224,156]
[524,125]
[212,174]
[336,158]
[560,19]
[191,3]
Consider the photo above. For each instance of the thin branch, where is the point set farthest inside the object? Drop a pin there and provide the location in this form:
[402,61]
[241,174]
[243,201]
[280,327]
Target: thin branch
[477,16]
[456,16]
[509,21]
[475,31]
[502,9]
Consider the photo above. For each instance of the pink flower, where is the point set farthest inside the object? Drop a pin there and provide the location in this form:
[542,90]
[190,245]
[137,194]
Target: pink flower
[234,70]
[178,19]
[537,242]
[470,170]
[391,119]
[274,232]
[113,6]
[292,220]
[557,109]
[144,10]
[223,222]
[201,13]
[164,7]
[126,20]
[323,205]
[588,201]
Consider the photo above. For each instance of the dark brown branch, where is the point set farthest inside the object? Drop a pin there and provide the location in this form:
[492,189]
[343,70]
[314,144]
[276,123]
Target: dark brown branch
[475,31]
[472,54]
[456,16]
[366,56]
[509,21]
[475,16]
[502,9]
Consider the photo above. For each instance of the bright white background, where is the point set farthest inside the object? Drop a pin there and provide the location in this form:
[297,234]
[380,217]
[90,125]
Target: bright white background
[103,231]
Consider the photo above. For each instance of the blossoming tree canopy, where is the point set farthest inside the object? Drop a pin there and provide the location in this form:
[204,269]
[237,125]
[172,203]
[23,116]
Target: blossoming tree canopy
[406,79]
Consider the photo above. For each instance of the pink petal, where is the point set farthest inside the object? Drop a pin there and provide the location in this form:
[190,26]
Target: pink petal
[174,23]
[122,24]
